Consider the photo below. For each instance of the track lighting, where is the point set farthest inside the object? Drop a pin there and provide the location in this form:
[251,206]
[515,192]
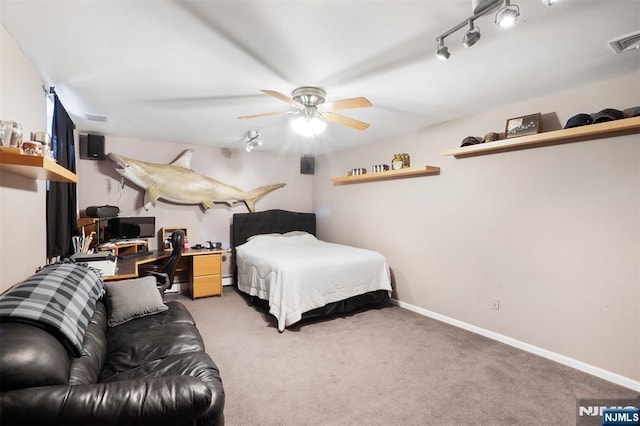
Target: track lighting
[442,52]
[507,15]
[253,140]
[472,36]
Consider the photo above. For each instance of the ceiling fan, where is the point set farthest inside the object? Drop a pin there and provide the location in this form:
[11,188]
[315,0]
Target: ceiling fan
[311,106]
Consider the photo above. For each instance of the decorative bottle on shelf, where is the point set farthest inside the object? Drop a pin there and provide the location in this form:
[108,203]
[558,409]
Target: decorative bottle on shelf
[406,160]
[396,163]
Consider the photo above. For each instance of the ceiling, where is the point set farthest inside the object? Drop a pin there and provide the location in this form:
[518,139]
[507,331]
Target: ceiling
[183,71]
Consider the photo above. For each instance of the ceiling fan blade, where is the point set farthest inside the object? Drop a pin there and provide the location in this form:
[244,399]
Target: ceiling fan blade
[283,98]
[341,119]
[264,114]
[345,104]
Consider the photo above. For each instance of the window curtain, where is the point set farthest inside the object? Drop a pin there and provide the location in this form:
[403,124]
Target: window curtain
[62,216]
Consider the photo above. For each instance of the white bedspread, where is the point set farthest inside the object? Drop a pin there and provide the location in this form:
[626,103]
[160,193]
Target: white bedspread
[296,273]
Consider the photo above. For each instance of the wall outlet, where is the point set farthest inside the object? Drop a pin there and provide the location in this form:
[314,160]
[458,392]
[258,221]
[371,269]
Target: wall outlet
[495,304]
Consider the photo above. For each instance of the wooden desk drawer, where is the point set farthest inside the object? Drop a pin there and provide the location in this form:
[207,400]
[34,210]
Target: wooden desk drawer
[206,264]
[208,285]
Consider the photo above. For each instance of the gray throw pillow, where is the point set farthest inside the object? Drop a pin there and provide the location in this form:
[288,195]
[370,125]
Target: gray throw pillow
[135,298]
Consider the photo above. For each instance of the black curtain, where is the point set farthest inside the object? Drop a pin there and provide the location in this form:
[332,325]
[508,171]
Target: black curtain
[62,216]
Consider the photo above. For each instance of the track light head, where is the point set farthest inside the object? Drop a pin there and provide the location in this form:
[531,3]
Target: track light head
[507,15]
[442,52]
[252,141]
[472,36]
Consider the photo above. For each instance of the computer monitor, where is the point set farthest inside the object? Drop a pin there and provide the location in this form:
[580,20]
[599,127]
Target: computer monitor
[126,228]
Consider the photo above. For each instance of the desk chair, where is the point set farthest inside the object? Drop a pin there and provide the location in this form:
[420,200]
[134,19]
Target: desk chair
[165,272]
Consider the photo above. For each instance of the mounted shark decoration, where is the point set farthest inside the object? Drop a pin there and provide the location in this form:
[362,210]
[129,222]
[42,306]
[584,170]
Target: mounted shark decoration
[176,182]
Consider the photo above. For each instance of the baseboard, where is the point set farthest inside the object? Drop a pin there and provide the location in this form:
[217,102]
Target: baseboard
[227,281]
[570,362]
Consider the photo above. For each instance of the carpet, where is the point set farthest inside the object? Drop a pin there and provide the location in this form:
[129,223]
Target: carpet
[382,366]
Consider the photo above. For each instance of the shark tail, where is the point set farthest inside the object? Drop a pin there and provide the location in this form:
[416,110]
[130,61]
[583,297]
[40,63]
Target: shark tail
[254,195]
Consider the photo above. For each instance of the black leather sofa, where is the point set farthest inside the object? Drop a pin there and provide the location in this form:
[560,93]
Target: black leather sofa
[149,370]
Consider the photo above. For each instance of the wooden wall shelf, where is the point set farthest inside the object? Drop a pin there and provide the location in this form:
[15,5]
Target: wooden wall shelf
[391,174]
[576,134]
[34,167]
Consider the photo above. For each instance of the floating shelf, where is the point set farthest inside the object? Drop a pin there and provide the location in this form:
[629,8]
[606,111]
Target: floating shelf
[391,174]
[576,134]
[35,167]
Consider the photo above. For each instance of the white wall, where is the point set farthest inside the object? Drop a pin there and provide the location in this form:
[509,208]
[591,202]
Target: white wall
[22,200]
[100,185]
[553,232]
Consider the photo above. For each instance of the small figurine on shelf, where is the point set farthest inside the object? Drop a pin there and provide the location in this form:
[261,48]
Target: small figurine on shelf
[400,161]
[377,168]
[406,160]
[396,162]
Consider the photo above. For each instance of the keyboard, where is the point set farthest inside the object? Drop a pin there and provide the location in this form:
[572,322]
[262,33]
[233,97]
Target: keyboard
[136,255]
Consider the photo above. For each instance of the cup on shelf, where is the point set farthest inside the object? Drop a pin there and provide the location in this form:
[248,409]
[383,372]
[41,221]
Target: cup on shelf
[16,134]
[6,129]
[32,148]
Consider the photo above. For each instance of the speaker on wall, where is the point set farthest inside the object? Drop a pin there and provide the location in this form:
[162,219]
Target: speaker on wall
[307,165]
[94,148]
[102,211]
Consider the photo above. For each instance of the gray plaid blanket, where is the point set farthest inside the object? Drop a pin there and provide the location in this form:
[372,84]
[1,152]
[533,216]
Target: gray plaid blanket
[60,298]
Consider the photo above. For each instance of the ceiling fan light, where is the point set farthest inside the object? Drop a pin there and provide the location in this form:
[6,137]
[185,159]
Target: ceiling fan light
[308,126]
[507,15]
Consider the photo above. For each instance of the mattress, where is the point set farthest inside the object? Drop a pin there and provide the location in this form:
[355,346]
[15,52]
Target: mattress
[295,272]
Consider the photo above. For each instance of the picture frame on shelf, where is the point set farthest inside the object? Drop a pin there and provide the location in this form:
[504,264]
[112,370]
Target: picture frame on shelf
[524,125]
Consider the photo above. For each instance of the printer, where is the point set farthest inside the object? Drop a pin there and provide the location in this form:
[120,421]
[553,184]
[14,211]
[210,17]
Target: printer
[104,261]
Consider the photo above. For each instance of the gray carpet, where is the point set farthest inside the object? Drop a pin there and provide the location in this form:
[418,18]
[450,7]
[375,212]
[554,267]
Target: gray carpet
[385,366]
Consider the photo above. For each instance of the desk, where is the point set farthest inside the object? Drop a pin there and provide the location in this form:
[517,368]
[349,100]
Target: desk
[121,248]
[204,266]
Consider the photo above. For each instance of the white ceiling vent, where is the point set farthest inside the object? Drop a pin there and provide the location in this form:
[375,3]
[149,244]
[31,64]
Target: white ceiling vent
[626,42]
[97,117]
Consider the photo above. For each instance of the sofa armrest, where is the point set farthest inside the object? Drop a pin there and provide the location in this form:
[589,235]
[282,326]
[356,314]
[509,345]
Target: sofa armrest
[169,400]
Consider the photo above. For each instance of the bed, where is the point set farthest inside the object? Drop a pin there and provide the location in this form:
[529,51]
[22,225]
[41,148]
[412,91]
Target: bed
[280,262]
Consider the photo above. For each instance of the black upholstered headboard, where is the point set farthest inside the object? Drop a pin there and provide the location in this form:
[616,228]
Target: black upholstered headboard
[246,225]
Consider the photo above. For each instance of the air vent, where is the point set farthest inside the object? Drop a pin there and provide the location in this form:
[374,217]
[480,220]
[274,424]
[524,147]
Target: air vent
[97,117]
[626,42]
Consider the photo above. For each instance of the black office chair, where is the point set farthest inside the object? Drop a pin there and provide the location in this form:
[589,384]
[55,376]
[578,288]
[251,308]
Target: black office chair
[166,271]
